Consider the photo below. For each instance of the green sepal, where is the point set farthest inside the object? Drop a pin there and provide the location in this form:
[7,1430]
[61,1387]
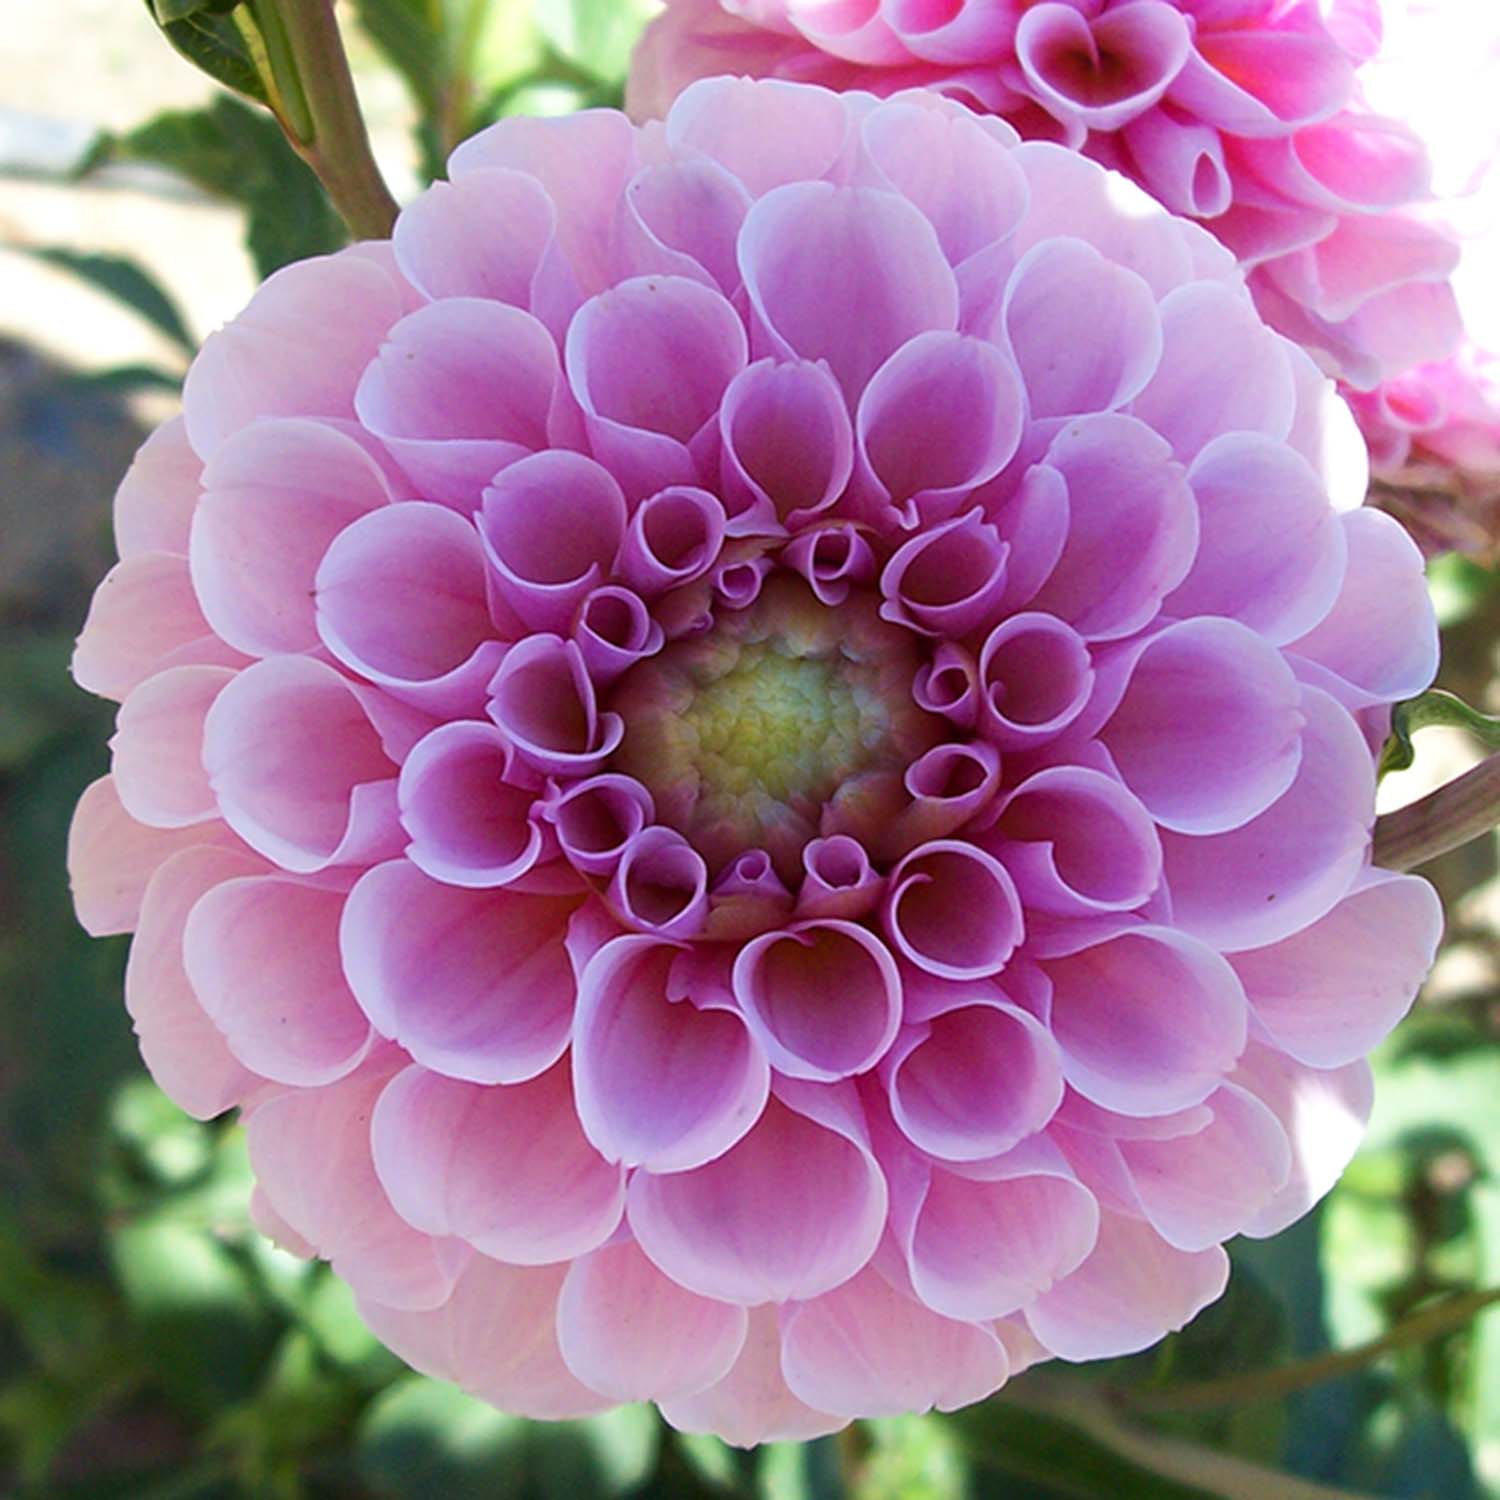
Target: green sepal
[208,36]
[240,155]
[128,283]
[1435,706]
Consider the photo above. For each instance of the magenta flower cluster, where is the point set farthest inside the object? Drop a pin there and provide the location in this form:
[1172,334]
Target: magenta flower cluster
[751,752]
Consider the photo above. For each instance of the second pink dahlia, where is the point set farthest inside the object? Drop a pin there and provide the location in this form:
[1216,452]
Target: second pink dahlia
[1246,115]
[750,751]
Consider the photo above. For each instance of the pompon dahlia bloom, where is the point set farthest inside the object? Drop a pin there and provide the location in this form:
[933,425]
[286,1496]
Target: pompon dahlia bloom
[1245,115]
[750,751]
[1434,431]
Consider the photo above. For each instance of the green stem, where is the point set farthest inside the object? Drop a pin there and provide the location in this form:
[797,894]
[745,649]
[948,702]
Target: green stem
[1442,820]
[1205,1471]
[337,146]
[265,34]
[1275,1384]
[458,88]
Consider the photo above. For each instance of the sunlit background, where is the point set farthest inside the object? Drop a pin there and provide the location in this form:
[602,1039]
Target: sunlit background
[152,1346]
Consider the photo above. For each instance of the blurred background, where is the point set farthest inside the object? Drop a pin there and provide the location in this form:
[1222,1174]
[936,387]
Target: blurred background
[153,1347]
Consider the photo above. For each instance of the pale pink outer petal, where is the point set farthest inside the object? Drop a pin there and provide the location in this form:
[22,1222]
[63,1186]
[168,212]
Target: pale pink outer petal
[986,1249]
[1130,1291]
[582,160]
[972,1081]
[481,236]
[468,825]
[111,857]
[1271,552]
[299,766]
[1123,347]
[1221,371]
[400,599]
[158,747]
[681,218]
[187,1055]
[1074,196]
[460,389]
[274,496]
[496,1336]
[752,1403]
[793,1209]
[727,119]
[1148,1021]
[1323,1113]
[868,1350]
[1381,636]
[506,1169]
[262,954]
[942,415]
[1282,870]
[144,617]
[1208,732]
[630,1332]
[473,984]
[955,169]
[276,1229]
[310,1149]
[1329,993]
[264,364]
[154,503]
[1198,1189]
[1127,542]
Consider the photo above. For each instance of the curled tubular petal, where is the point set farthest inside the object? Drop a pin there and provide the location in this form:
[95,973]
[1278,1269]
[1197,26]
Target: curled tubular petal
[824,998]
[953,911]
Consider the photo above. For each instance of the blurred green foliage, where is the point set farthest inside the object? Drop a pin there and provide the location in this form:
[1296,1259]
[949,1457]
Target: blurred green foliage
[154,1347]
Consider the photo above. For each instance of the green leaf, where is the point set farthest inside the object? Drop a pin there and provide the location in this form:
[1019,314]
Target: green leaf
[203,1323]
[422,1437]
[594,35]
[122,380]
[409,33]
[207,36]
[179,10]
[239,154]
[127,282]
[1435,706]
[39,1414]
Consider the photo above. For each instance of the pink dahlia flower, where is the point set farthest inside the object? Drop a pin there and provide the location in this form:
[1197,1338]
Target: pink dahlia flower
[1242,114]
[1434,431]
[750,751]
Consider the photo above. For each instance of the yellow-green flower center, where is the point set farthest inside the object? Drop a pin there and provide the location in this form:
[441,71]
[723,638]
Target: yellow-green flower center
[786,721]
[785,726]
